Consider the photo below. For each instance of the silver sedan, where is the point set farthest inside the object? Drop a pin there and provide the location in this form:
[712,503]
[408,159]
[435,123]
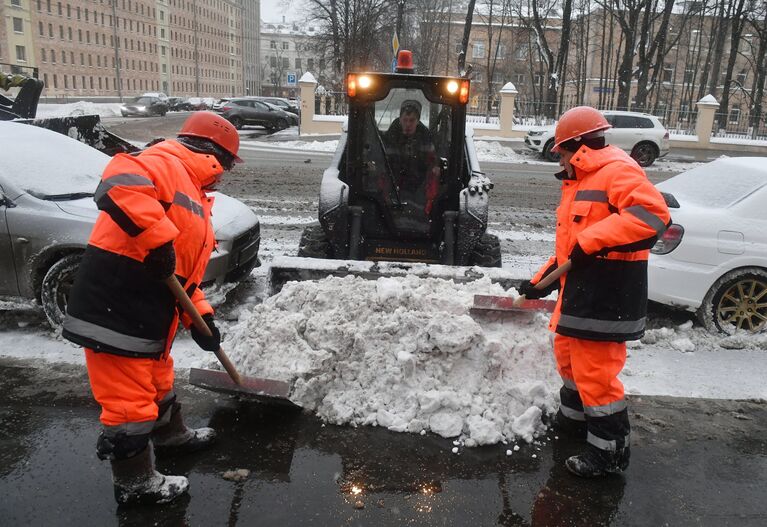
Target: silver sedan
[47,212]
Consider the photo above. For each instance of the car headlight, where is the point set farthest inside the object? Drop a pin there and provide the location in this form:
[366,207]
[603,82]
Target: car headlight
[535,132]
[669,241]
[141,108]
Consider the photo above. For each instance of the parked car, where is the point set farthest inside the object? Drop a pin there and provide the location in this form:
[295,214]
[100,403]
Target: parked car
[642,135]
[713,258]
[179,104]
[146,106]
[219,103]
[47,181]
[282,104]
[197,103]
[158,94]
[244,111]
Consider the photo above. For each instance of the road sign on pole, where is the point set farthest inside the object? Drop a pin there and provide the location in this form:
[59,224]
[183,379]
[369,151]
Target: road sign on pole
[395,44]
[291,79]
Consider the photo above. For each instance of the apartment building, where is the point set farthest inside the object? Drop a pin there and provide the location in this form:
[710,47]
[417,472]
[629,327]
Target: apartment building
[121,48]
[288,50]
[251,46]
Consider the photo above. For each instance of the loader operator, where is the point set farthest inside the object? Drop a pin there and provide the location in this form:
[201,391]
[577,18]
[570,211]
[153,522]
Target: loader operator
[609,216]
[412,156]
[154,223]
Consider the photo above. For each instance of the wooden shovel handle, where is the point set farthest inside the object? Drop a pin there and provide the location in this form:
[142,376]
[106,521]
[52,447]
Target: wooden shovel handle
[190,309]
[547,281]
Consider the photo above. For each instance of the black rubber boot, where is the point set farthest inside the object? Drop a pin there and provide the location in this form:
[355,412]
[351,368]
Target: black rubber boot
[595,462]
[176,438]
[136,482]
[569,427]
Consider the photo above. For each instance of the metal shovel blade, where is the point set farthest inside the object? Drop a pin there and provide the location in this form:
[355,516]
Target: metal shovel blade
[491,303]
[267,391]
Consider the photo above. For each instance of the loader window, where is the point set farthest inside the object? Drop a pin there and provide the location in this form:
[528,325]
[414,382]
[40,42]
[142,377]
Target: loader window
[407,138]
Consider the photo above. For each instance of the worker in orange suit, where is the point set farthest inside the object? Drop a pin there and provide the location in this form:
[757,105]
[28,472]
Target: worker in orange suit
[154,223]
[609,216]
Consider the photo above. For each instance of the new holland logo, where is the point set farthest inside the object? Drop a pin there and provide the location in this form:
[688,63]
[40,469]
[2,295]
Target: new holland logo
[400,251]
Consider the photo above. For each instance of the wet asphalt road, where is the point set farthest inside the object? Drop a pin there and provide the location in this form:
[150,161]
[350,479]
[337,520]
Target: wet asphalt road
[693,463]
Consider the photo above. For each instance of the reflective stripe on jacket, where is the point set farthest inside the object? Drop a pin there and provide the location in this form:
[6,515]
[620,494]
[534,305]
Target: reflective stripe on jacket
[614,212]
[146,200]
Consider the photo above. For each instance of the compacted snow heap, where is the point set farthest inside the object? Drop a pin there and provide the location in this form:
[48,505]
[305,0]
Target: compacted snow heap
[403,353]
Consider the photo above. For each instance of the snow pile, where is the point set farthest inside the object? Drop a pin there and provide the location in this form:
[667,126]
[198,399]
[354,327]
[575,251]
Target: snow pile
[78,108]
[402,353]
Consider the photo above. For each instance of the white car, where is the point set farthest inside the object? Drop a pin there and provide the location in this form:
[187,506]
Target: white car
[642,135]
[160,95]
[713,258]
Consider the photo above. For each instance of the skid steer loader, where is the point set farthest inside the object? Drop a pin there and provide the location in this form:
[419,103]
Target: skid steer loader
[404,187]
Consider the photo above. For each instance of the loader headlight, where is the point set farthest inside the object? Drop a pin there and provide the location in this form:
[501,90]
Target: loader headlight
[356,82]
[452,87]
[365,82]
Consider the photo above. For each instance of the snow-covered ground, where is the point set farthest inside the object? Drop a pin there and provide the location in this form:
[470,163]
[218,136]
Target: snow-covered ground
[79,108]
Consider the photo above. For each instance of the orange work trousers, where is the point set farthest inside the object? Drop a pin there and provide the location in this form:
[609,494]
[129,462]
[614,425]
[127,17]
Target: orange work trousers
[129,390]
[593,366]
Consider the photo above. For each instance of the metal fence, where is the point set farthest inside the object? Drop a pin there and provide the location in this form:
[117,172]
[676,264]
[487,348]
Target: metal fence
[738,124]
[331,103]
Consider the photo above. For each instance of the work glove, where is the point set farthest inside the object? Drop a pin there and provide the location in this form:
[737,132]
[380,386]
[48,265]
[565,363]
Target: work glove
[160,262]
[531,293]
[212,343]
[579,258]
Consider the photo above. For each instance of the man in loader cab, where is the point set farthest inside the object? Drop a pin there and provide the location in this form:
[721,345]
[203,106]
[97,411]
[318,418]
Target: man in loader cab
[608,218]
[412,156]
[154,223]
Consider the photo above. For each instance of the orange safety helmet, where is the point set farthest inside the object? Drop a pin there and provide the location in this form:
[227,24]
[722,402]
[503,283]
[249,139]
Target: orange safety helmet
[209,125]
[577,122]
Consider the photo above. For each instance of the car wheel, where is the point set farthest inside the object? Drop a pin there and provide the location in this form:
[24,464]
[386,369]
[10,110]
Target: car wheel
[56,287]
[236,122]
[738,300]
[548,155]
[162,113]
[645,154]
[281,124]
[487,252]
[314,243]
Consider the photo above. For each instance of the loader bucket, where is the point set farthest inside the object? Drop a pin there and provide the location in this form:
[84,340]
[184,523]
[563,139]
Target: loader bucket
[286,269]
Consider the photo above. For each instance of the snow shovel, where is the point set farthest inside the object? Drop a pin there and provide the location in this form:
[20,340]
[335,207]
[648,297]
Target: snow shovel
[231,382]
[491,303]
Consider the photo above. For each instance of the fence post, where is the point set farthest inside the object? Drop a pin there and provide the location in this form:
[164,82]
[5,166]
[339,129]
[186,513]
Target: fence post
[508,96]
[308,84]
[704,122]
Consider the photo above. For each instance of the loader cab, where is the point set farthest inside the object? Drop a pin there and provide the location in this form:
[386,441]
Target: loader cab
[404,162]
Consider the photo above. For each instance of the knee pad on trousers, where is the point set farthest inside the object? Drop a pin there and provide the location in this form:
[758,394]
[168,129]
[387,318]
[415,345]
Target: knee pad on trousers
[120,446]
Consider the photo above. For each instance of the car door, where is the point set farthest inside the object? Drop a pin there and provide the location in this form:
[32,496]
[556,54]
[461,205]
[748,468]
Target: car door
[626,132]
[8,283]
[265,115]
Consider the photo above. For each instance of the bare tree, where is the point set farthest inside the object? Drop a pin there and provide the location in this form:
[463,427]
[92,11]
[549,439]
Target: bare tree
[354,31]
[736,24]
[555,61]
[651,50]
[760,67]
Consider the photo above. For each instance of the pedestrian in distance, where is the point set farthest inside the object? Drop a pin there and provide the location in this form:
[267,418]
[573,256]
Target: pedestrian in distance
[608,218]
[154,223]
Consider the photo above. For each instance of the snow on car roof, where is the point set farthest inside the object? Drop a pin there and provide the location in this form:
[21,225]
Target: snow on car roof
[40,161]
[720,183]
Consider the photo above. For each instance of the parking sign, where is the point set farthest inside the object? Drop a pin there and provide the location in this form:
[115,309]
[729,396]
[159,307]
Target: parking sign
[291,79]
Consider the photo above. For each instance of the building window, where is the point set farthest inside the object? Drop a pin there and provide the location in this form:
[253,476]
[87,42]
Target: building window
[734,114]
[284,45]
[502,51]
[668,73]
[18,25]
[273,61]
[273,44]
[66,82]
[61,32]
[42,55]
[741,77]
[69,11]
[520,53]
[53,56]
[61,11]
[478,49]
[17,3]
[41,28]
[55,81]
[689,76]
[285,62]
[298,63]
[21,54]
[69,33]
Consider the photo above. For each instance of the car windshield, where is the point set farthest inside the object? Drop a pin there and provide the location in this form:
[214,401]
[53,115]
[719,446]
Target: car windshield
[47,164]
[143,100]
[272,106]
[719,184]
[406,136]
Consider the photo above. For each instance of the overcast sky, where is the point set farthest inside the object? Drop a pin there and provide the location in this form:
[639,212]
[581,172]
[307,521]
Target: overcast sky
[274,10]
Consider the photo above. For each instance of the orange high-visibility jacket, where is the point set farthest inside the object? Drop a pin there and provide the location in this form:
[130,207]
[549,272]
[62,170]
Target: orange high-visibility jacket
[614,212]
[146,200]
